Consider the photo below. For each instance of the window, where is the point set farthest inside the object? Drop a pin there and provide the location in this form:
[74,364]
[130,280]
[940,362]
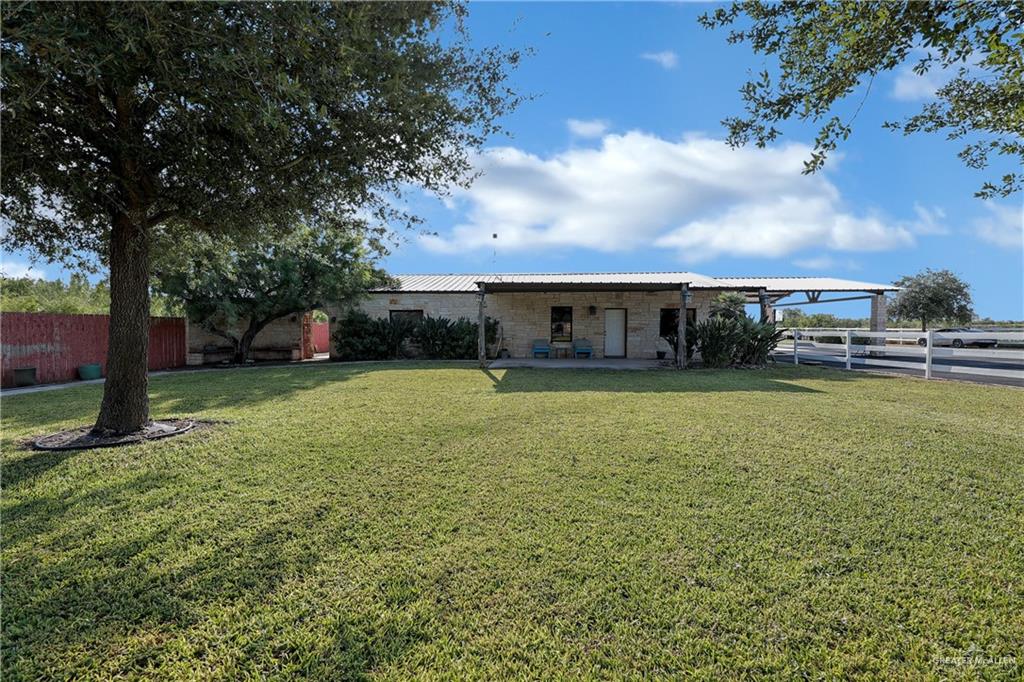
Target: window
[561,323]
[670,320]
[413,316]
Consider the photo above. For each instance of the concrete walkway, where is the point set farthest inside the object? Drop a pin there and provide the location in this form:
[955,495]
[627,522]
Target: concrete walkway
[40,388]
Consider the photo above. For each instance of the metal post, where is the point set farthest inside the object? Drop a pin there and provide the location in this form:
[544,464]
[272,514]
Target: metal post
[482,331]
[928,355]
[762,297]
[684,293]
[796,344]
[848,349]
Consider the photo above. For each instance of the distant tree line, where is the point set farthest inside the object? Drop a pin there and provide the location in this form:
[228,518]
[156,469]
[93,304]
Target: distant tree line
[77,296]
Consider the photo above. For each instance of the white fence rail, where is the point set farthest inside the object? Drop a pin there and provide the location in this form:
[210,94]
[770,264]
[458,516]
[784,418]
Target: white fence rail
[990,354]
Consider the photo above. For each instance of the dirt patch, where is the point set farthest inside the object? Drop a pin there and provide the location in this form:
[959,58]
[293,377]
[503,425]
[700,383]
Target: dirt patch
[83,438]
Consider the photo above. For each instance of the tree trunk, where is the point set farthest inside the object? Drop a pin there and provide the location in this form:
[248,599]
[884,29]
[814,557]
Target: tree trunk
[924,324]
[245,343]
[125,405]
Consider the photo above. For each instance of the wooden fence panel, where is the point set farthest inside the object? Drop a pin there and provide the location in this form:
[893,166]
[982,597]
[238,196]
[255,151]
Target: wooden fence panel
[56,345]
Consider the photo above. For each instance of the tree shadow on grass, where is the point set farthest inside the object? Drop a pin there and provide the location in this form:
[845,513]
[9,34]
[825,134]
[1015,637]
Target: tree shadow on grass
[186,393]
[123,579]
[772,380]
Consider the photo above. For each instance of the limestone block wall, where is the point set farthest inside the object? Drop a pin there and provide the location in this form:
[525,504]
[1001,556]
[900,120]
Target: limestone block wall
[450,305]
[281,333]
[527,316]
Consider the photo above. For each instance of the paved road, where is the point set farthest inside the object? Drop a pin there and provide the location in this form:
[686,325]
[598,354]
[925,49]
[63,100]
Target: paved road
[836,358]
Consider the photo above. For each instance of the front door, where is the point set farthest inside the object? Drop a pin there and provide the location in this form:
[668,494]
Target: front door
[615,332]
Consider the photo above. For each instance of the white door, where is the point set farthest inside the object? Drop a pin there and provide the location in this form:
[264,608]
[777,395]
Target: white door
[615,332]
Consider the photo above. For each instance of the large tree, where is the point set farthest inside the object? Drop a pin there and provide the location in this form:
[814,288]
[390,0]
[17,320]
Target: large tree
[932,295]
[235,291]
[827,51]
[124,119]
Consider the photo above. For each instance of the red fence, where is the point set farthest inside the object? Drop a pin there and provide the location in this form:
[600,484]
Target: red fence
[57,344]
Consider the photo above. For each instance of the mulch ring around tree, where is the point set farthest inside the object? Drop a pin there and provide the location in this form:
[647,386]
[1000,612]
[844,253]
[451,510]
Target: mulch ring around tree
[84,437]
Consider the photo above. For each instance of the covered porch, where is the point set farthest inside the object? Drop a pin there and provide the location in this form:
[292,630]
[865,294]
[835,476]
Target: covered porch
[626,318]
[581,363]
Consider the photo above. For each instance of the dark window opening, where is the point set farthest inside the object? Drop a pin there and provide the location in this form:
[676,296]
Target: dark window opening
[561,323]
[413,316]
[670,320]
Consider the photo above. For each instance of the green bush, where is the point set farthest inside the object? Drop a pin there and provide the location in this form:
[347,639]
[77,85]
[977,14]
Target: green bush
[725,342]
[435,337]
[360,337]
[757,341]
[691,341]
[717,340]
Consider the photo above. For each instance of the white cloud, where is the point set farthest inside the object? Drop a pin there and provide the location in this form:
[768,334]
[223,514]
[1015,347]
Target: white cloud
[908,86]
[816,263]
[16,270]
[666,59]
[929,221]
[696,196]
[825,263]
[591,128]
[779,227]
[1003,226]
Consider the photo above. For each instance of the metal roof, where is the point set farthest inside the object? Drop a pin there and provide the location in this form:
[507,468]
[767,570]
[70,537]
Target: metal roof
[804,284]
[468,283]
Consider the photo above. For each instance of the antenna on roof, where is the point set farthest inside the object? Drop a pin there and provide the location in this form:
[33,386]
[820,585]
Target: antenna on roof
[494,254]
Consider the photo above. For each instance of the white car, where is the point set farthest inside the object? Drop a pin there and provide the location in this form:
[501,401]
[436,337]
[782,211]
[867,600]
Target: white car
[978,341]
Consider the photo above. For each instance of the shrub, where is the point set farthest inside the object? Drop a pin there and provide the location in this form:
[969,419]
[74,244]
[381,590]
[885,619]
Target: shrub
[435,337]
[672,340]
[725,342]
[757,341]
[717,340]
[360,337]
[729,304]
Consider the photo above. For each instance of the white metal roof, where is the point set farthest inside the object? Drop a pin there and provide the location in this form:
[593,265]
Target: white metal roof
[804,284]
[468,283]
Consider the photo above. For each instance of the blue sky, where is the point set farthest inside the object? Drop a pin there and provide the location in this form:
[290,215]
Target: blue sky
[619,164]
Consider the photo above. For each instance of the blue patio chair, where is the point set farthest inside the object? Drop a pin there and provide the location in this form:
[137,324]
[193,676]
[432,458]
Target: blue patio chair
[541,348]
[582,348]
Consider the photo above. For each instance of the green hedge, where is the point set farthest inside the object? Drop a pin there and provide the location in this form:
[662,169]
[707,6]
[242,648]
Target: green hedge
[360,337]
[725,342]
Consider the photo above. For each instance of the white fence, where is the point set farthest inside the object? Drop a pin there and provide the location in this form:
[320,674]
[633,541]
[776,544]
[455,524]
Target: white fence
[966,353]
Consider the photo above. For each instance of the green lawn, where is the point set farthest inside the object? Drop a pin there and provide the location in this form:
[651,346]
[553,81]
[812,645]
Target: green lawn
[433,520]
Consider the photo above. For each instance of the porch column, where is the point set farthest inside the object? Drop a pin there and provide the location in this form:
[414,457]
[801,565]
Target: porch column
[879,315]
[684,296]
[482,330]
[766,305]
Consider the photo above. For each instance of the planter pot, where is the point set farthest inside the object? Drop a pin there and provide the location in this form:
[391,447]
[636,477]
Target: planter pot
[25,376]
[90,371]
[661,355]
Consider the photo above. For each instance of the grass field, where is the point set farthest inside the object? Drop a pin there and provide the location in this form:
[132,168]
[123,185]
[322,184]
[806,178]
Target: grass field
[439,521]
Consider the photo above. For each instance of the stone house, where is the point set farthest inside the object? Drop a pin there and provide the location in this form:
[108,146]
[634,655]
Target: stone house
[623,315]
[284,339]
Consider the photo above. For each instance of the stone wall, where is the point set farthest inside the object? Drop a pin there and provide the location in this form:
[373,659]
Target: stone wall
[279,340]
[527,316]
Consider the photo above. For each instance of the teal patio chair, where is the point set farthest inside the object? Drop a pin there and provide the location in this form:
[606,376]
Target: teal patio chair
[541,348]
[583,348]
